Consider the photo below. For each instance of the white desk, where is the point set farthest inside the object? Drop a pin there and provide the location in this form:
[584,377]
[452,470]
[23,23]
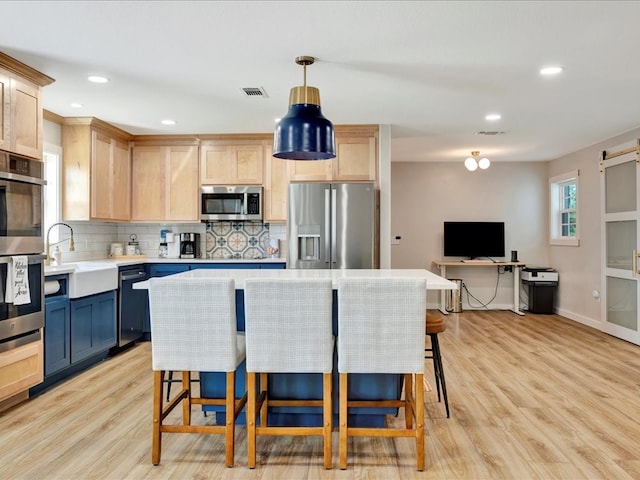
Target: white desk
[517,267]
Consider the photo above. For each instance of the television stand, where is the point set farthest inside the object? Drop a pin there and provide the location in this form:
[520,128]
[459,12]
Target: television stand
[517,267]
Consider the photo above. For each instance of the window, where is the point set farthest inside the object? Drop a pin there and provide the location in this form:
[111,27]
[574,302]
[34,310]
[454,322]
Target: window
[52,194]
[564,209]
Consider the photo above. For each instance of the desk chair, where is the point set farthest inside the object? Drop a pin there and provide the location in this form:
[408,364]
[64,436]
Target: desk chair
[381,330]
[193,328]
[288,328]
[434,324]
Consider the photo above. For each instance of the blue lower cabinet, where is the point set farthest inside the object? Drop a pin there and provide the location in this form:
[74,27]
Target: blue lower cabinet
[93,325]
[78,333]
[226,266]
[164,269]
[57,336]
[272,266]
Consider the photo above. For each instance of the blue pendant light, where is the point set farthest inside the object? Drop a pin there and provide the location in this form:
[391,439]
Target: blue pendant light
[304,133]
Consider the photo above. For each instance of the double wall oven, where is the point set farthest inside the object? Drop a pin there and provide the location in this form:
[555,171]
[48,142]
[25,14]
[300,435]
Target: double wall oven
[21,238]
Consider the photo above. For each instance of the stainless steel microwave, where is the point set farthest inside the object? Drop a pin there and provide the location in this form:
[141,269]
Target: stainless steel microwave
[235,202]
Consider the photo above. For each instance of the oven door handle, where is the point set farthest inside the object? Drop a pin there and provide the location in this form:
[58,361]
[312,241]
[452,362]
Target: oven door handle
[22,178]
[31,259]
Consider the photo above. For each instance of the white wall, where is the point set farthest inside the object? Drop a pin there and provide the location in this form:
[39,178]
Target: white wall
[52,133]
[424,195]
[580,267]
[384,181]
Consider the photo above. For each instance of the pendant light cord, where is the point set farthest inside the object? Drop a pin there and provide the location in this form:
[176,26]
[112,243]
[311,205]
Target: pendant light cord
[304,66]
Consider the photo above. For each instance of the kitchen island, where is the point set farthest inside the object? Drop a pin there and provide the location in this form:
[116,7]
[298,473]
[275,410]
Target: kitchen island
[306,386]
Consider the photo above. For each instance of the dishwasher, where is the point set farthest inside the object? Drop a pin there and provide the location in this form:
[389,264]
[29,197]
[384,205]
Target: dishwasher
[133,305]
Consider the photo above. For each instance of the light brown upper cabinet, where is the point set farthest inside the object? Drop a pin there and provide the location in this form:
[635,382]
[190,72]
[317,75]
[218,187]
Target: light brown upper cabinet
[310,170]
[276,186]
[165,183]
[21,107]
[231,162]
[356,158]
[96,171]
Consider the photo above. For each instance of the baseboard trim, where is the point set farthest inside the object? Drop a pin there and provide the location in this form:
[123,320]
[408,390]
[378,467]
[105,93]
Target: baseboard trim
[589,322]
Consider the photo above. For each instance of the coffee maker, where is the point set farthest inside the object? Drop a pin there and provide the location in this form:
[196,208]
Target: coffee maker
[189,245]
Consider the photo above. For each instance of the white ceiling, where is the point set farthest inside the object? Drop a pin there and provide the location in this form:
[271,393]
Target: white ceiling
[432,70]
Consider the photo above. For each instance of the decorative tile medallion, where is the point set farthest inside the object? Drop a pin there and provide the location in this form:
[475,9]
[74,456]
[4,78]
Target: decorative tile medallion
[237,240]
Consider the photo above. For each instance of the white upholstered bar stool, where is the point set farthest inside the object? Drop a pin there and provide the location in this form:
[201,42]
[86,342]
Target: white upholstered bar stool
[288,329]
[381,330]
[193,329]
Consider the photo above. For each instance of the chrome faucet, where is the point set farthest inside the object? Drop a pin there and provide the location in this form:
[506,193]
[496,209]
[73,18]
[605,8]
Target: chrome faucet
[49,245]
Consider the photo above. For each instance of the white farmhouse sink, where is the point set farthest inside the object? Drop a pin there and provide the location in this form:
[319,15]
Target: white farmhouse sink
[88,278]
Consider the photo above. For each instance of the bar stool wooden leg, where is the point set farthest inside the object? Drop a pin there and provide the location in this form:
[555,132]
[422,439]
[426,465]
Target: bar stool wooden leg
[158,377]
[420,421]
[230,410]
[327,418]
[343,420]
[186,401]
[264,410]
[251,419]
[408,396]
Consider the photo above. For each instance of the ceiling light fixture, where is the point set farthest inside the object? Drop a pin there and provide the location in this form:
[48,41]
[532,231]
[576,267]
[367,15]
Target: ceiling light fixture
[472,163]
[304,133]
[552,70]
[168,122]
[97,79]
[493,117]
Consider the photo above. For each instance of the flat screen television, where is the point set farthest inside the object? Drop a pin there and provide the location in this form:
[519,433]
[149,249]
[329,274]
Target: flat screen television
[474,239]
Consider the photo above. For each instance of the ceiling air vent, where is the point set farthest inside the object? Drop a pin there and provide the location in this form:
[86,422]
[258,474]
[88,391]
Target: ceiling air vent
[257,92]
[489,132]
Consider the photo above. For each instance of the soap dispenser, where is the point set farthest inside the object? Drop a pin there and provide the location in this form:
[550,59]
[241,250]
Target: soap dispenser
[57,256]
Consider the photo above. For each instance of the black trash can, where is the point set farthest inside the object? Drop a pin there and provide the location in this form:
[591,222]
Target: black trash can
[541,295]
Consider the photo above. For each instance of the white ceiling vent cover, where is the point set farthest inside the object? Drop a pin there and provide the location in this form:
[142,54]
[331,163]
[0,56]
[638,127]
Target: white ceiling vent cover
[255,92]
[489,132]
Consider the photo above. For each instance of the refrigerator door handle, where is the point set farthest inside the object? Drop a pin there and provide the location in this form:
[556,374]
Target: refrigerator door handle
[327,219]
[333,225]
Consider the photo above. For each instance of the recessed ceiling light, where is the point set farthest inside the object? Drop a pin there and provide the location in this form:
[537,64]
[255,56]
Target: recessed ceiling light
[552,70]
[97,79]
[493,116]
[76,105]
[168,122]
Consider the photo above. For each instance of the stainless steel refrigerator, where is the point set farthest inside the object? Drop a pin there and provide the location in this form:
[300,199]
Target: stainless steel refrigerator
[331,225]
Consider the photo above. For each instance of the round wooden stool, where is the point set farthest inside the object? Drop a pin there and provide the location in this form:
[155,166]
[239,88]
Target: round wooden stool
[435,325]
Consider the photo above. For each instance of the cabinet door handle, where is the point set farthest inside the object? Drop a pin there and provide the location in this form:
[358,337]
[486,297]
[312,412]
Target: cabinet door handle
[634,263]
[126,277]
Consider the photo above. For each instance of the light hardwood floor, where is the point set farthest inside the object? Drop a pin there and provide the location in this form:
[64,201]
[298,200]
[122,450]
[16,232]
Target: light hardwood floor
[532,397]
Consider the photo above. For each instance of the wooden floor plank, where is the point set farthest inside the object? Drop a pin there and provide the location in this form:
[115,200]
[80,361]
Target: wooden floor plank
[531,397]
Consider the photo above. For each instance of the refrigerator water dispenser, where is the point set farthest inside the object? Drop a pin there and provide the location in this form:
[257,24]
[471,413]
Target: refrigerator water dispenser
[309,247]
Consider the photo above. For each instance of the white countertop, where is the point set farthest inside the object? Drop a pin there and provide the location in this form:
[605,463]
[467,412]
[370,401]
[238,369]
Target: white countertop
[434,282]
[70,267]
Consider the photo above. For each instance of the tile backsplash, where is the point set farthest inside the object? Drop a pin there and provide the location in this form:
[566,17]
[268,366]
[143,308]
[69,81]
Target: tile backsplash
[237,240]
[218,239]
